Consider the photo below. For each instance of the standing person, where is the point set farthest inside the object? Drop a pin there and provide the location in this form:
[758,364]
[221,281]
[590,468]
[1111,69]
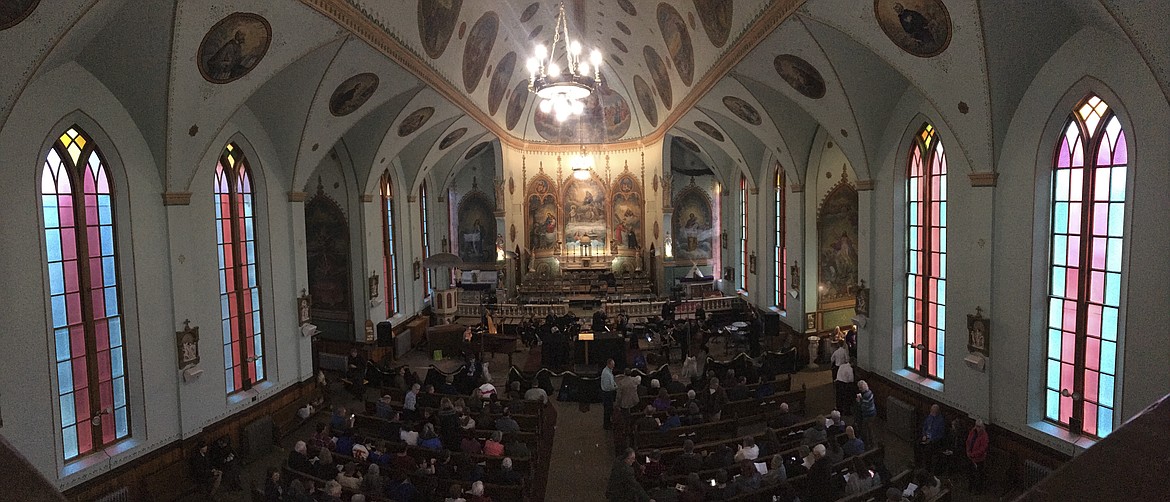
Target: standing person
[839,357]
[627,392]
[934,428]
[843,382]
[866,410]
[755,332]
[608,395]
[623,485]
[410,403]
[977,441]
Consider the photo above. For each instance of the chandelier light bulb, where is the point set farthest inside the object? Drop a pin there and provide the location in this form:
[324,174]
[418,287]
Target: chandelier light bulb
[554,70]
[533,65]
[595,58]
[575,47]
[541,51]
[583,69]
[545,106]
[578,107]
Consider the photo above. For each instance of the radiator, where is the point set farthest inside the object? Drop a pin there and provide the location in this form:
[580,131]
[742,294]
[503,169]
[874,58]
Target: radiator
[1034,472]
[121,495]
[257,438]
[900,419]
[333,362]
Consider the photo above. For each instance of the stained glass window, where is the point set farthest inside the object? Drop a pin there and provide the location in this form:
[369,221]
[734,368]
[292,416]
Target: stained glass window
[239,288]
[926,255]
[1084,292]
[781,251]
[389,254]
[77,201]
[426,239]
[743,233]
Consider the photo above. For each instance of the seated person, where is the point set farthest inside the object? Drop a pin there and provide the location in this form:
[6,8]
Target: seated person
[400,489]
[861,478]
[749,478]
[694,491]
[786,418]
[647,422]
[738,390]
[475,494]
[777,473]
[429,439]
[767,386]
[722,489]
[516,448]
[835,424]
[816,434]
[853,444]
[720,458]
[689,462]
[654,469]
[495,445]
[400,460]
[672,421]
[506,423]
[928,484]
[662,402]
[675,386]
[536,393]
[298,458]
[341,421]
[506,476]
[469,444]
[350,478]
[747,449]
[384,408]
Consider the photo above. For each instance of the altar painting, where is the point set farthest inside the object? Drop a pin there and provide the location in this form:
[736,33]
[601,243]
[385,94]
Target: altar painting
[692,225]
[542,214]
[584,213]
[627,214]
[327,258]
[837,246]
[477,228]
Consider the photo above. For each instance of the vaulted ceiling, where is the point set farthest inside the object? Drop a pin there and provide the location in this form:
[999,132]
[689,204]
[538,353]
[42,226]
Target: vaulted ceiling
[416,86]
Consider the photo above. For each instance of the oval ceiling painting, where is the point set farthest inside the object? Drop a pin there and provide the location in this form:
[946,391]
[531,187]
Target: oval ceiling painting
[716,17]
[233,47]
[743,110]
[628,7]
[646,100]
[678,42]
[687,143]
[617,60]
[477,149]
[352,93]
[606,118]
[451,138]
[480,41]
[415,121]
[535,31]
[12,12]
[801,75]
[622,26]
[516,104]
[920,27]
[658,75]
[710,130]
[529,12]
[436,23]
[499,82]
[620,46]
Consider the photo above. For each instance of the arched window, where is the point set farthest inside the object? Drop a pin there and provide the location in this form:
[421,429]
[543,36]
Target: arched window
[743,233]
[77,200]
[239,288]
[426,238]
[1084,293]
[781,251]
[926,254]
[389,254]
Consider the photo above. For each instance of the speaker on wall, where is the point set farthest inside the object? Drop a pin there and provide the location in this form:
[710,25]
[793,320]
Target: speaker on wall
[385,334]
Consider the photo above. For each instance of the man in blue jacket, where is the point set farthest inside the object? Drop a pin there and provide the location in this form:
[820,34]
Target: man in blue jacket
[934,428]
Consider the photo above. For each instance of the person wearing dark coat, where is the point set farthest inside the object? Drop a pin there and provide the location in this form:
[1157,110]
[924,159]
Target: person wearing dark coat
[623,484]
[273,492]
[298,458]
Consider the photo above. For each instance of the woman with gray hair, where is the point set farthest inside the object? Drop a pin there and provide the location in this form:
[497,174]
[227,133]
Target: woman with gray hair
[373,481]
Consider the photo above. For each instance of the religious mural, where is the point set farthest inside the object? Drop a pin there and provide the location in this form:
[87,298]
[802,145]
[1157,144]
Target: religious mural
[692,224]
[499,82]
[541,214]
[478,50]
[837,246]
[801,75]
[529,12]
[628,7]
[606,118]
[743,110]
[12,12]
[476,227]
[711,130]
[516,103]
[352,94]
[233,47]
[327,259]
[686,143]
[620,46]
[658,75]
[477,149]
[415,121]
[678,42]
[627,213]
[436,24]
[584,203]
[622,26]
[920,27]
[452,137]
[716,17]
[646,100]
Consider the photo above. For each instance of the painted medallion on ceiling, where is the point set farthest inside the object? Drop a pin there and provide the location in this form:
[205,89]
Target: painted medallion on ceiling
[606,118]
[920,27]
[233,47]
[480,42]
[451,138]
[477,149]
[743,110]
[646,100]
[535,31]
[658,75]
[352,94]
[529,12]
[617,60]
[415,121]
[622,26]
[436,24]
[499,82]
[801,75]
[678,42]
[628,7]
[516,103]
[710,130]
[620,46]
[12,12]
[716,18]
[687,143]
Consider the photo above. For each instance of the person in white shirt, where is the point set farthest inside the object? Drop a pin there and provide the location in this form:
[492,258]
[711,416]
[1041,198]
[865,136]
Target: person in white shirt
[839,357]
[536,393]
[843,384]
[747,450]
[608,395]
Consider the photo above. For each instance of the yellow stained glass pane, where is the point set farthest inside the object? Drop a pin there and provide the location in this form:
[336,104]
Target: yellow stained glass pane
[230,147]
[74,152]
[80,141]
[65,140]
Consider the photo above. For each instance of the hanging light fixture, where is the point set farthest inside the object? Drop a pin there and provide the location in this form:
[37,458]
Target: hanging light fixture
[582,165]
[561,90]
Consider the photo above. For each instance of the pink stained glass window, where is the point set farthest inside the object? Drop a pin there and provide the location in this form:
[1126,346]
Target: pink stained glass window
[781,249]
[389,249]
[743,233]
[926,202]
[77,206]
[1090,242]
[239,288]
[426,239]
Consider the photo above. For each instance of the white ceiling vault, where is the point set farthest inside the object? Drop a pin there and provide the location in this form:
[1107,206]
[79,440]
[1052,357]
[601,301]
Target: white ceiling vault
[414,85]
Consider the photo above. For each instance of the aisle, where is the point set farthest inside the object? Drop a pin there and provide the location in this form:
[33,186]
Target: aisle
[581,458]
